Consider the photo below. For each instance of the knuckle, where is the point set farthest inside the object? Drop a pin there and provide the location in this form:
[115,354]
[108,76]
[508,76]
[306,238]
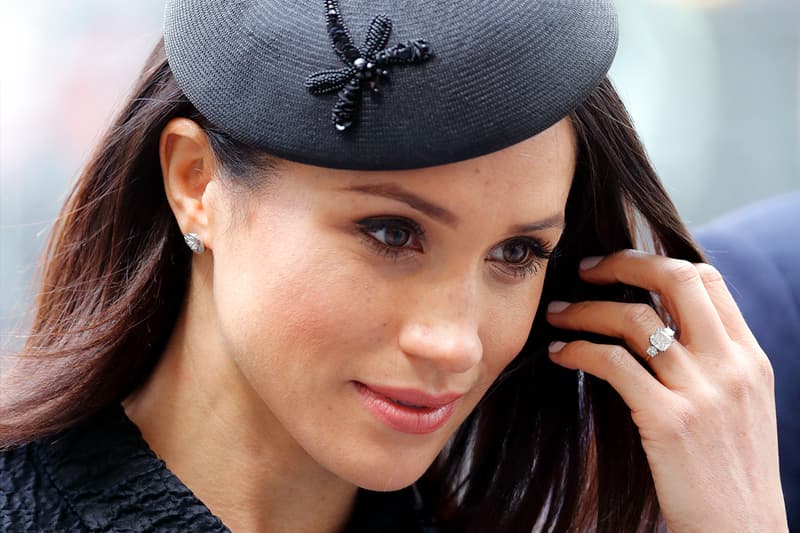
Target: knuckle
[748,380]
[684,421]
[617,357]
[739,385]
[640,314]
[743,336]
[577,313]
[681,272]
[709,274]
[579,308]
[764,370]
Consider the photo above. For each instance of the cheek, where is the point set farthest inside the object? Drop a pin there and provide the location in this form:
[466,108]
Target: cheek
[292,310]
[320,310]
[508,326]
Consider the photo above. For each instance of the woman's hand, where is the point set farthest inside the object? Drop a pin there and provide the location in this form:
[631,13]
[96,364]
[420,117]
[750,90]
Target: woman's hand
[708,422]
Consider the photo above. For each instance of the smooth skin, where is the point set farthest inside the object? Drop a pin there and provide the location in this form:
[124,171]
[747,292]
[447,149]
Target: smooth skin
[428,279]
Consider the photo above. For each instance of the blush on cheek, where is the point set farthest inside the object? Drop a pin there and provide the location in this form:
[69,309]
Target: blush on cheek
[508,330]
[311,312]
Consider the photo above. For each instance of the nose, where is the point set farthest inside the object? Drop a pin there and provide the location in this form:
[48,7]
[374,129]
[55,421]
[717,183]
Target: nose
[443,328]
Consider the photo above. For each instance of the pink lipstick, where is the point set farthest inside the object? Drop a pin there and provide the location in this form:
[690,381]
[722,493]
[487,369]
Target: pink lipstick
[407,410]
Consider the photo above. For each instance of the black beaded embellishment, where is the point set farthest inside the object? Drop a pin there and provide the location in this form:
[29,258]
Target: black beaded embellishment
[366,67]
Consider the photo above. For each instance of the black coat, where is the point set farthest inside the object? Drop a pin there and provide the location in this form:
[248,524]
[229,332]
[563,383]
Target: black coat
[102,476]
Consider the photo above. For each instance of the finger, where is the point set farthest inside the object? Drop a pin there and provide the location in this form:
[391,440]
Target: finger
[634,323]
[678,284]
[723,301]
[615,365]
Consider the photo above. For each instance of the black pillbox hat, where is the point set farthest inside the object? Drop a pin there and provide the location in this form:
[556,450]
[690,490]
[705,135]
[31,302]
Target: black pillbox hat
[387,84]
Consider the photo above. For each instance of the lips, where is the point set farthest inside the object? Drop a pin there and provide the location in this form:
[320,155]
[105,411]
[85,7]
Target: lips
[407,410]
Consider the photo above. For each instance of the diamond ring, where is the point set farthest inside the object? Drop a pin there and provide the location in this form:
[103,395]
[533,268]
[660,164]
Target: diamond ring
[660,340]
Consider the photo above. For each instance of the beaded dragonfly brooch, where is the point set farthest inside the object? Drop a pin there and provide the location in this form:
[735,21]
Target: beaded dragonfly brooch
[366,67]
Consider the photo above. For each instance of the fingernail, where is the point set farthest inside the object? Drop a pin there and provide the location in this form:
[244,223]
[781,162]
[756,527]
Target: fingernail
[556,346]
[556,306]
[590,262]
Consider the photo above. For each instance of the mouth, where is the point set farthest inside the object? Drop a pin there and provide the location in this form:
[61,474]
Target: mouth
[398,402]
[407,410]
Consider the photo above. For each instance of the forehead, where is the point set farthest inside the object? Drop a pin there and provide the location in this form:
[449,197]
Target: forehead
[537,169]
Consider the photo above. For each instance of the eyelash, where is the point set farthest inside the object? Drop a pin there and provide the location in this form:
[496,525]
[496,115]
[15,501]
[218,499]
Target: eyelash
[373,225]
[539,252]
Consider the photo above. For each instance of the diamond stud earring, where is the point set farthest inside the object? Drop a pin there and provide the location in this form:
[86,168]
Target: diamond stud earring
[194,242]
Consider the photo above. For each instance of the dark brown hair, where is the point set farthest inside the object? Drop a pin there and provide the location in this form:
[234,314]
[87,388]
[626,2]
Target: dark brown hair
[546,444]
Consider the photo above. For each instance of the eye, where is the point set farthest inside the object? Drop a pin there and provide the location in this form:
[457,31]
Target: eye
[515,252]
[521,256]
[392,236]
[395,237]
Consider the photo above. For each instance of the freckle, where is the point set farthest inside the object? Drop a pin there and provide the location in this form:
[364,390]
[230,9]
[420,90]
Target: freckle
[477,170]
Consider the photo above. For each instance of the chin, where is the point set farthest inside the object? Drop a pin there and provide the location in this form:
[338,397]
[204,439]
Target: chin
[388,480]
[388,469]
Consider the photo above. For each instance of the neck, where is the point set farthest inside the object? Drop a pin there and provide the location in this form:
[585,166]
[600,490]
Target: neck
[223,443]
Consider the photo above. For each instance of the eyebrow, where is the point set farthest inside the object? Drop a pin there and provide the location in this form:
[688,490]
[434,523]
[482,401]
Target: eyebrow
[553,221]
[394,192]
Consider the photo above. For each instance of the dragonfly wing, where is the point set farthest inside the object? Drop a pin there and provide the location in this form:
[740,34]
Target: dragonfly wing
[378,34]
[326,81]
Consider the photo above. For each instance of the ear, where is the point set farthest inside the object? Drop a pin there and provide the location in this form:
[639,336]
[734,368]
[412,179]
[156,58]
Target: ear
[187,166]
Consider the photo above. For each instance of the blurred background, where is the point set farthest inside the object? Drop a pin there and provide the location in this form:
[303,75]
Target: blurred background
[713,87]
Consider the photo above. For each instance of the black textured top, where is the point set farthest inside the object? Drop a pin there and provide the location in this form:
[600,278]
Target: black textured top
[102,476]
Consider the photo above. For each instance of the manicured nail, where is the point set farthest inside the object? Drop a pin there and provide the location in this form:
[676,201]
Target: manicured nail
[590,262]
[556,306]
[556,346]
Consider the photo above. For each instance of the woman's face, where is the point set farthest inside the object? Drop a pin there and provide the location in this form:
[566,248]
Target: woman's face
[340,292]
